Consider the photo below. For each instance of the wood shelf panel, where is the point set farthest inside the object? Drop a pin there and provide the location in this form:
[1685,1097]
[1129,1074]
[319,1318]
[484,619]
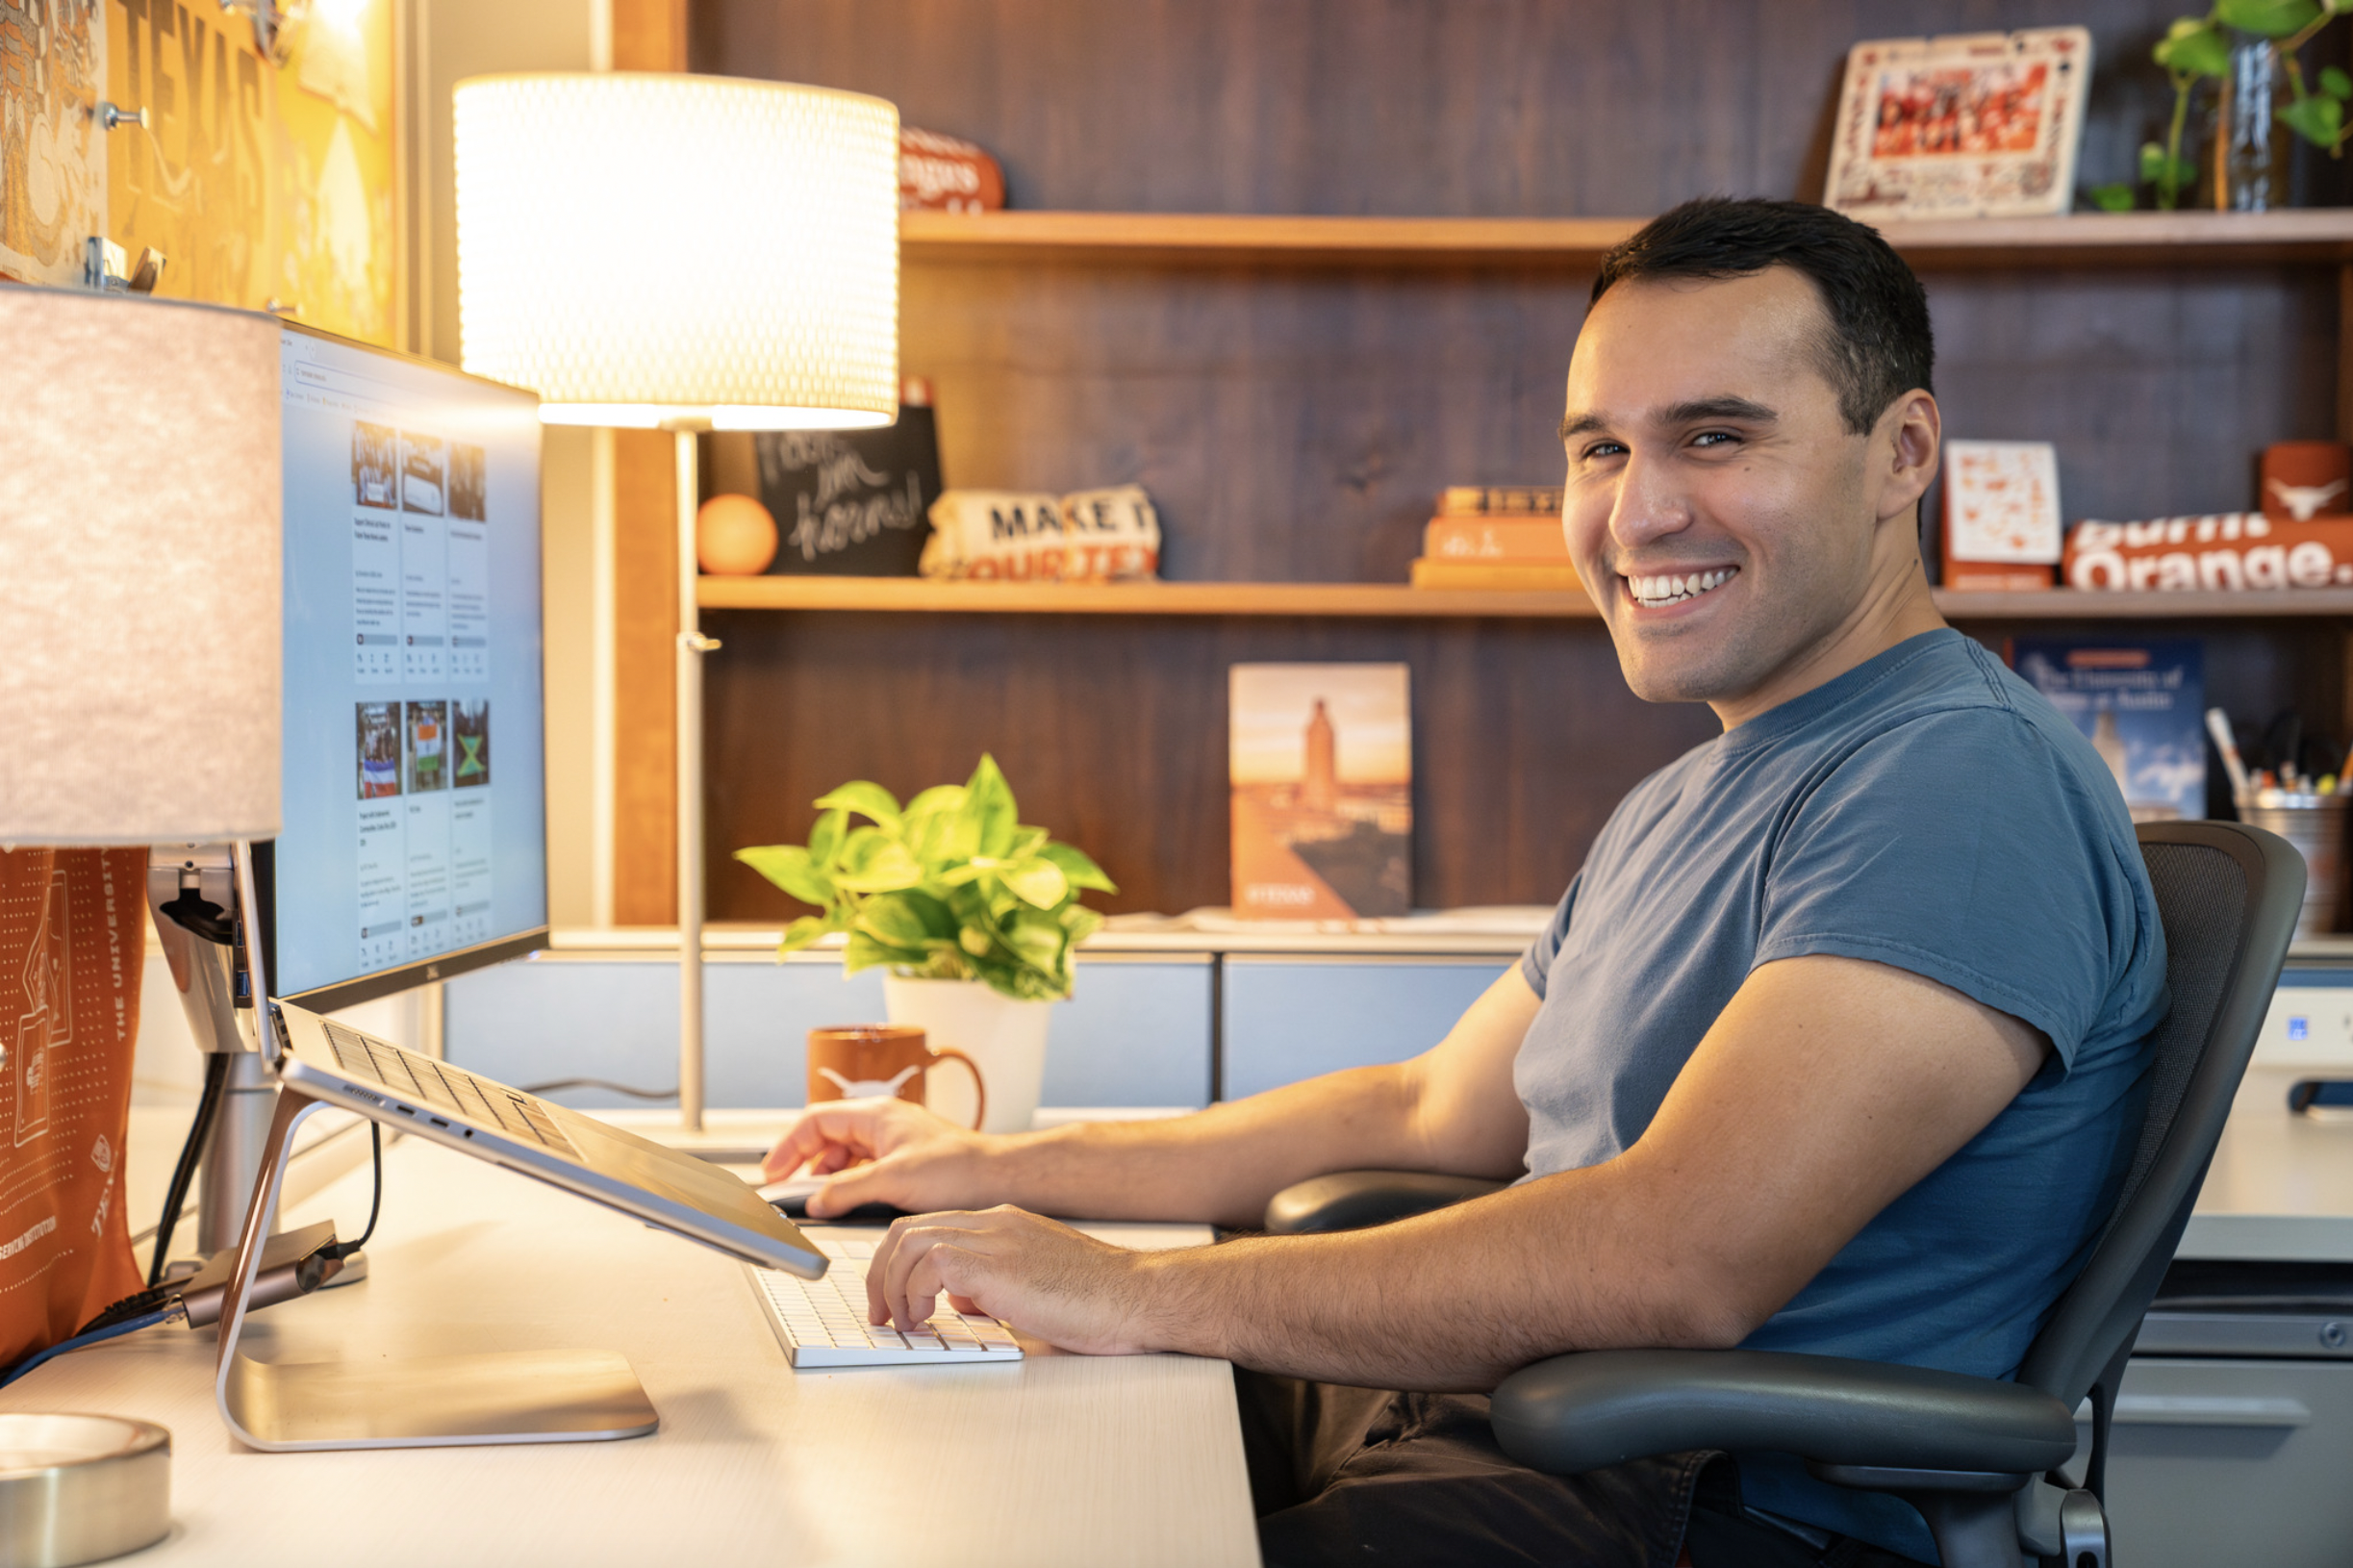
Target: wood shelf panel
[1395,601]
[2062,604]
[2315,235]
[1147,598]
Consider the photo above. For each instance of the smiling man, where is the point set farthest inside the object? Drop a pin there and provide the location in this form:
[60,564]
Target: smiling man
[1834,1042]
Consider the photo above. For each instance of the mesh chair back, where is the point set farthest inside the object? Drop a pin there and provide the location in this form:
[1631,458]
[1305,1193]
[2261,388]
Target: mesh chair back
[2228,896]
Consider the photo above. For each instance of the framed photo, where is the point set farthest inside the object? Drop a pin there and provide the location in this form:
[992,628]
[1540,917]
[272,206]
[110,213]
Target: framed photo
[1321,758]
[1970,125]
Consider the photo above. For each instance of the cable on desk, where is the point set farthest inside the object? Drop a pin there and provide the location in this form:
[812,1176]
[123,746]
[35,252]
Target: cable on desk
[556,1085]
[199,1132]
[375,1205]
[139,1303]
[83,1341]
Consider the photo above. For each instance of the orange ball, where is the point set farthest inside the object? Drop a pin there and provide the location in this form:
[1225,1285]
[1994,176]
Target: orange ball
[734,537]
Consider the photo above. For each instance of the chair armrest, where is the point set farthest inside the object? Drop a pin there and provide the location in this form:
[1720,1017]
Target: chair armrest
[1574,1413]
[1352,1200]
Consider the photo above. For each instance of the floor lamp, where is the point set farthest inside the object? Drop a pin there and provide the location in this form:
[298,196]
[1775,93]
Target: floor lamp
[685,253]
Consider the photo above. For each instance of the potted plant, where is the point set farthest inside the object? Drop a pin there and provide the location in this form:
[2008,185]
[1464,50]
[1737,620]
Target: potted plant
[974,913]
[2248,48]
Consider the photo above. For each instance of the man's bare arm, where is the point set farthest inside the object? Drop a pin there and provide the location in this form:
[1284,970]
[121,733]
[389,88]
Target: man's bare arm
[1452,1108]
[1825,1089]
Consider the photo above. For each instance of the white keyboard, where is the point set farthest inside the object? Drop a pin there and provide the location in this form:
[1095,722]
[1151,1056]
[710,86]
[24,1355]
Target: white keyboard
[822,1323]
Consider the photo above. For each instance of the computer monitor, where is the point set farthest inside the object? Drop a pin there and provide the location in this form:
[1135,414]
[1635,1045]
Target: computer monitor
[415,841]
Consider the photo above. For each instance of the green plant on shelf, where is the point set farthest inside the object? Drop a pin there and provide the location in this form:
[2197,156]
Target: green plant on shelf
[2198,48]
[950,886]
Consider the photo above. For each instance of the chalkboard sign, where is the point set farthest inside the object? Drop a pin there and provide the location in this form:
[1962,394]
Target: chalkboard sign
[851,503]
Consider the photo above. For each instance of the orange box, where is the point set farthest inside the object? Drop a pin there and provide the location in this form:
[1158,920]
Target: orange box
[1969,577]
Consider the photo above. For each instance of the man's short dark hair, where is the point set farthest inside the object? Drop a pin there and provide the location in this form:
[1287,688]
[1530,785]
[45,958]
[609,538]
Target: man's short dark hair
[1879,346]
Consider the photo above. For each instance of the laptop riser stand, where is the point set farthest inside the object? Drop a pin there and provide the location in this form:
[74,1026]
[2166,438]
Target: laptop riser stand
[432,1402]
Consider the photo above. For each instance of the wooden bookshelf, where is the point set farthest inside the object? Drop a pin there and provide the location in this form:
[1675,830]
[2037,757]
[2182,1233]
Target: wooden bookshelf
[2168,239]
[1395,601]
[1147,599]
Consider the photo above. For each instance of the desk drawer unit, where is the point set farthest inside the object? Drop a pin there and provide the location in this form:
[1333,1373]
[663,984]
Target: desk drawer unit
[1136,1033]
[1288,1019]
[2220,1461]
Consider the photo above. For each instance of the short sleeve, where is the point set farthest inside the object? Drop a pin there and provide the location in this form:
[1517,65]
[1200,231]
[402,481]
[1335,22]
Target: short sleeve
[1963,847]
[1537,963]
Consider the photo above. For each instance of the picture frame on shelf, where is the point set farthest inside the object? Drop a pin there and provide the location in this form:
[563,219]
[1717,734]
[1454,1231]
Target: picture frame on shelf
[1966,125]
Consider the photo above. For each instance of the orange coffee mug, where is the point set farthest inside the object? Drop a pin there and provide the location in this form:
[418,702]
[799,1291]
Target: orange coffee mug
[862,1061]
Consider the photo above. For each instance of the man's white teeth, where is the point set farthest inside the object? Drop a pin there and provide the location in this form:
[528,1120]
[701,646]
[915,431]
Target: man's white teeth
[1652,592]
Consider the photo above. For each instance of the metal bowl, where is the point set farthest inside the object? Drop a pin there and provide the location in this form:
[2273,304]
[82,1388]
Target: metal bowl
[77,1488]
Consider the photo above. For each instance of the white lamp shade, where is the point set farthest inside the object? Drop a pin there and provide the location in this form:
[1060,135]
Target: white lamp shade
[641,248]
[140,570]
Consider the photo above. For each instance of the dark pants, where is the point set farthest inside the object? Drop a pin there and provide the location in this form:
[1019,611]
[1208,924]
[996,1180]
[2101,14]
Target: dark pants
[1362,1476]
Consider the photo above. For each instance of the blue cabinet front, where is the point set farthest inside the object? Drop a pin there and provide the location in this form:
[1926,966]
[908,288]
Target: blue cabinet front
[1288,1019]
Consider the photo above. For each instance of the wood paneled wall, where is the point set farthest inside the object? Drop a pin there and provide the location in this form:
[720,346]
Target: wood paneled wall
[648,36]
[1112,730]
[1293,424]
[645,678]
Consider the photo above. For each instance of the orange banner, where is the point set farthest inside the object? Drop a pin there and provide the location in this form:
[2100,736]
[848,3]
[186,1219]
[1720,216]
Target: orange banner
[2243,550]
[72,941]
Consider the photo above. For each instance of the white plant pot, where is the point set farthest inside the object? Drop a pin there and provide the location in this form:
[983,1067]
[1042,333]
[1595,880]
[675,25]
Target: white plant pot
[1004,1034]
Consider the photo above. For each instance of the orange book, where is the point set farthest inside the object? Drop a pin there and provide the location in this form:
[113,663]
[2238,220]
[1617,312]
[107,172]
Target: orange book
[1556,575]
[1495,539]
[2000,530]
[1490,500]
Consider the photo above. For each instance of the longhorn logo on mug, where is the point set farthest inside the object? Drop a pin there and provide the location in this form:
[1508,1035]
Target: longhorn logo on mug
[861,1061]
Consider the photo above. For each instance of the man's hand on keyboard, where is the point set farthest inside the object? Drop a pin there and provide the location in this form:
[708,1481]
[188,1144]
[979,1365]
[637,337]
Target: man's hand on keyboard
[1045,1278]
[915,1160]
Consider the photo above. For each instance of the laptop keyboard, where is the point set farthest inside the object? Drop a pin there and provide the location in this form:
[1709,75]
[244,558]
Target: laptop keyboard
[822,1323]
[422,1080]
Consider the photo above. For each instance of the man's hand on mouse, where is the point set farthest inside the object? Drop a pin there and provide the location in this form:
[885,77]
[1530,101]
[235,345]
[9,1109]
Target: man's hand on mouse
[914,1160]
[1054,1283]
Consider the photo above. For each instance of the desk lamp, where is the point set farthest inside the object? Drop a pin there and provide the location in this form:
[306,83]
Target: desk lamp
[683,253]
[139,682]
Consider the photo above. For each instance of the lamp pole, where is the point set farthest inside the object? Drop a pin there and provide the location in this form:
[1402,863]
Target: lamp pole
[692,646]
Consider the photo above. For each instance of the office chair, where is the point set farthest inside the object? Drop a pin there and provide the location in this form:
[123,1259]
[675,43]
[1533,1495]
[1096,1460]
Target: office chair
[1977,1458]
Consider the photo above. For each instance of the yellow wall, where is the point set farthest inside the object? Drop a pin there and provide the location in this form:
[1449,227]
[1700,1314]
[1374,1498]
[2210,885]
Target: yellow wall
[261,184]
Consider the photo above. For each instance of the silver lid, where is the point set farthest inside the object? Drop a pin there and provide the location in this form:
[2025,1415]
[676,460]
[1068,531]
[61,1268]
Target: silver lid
[80,1488]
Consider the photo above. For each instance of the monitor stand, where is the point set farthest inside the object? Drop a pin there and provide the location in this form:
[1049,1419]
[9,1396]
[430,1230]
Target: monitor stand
[433,1401]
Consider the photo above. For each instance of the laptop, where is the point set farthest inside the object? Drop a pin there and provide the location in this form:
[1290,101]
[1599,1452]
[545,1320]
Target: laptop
[486,1119]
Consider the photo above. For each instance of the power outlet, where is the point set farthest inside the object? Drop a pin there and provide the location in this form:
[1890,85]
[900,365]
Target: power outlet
[2310,1023]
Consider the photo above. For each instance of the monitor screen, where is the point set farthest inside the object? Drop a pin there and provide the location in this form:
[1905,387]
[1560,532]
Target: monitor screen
[415,809]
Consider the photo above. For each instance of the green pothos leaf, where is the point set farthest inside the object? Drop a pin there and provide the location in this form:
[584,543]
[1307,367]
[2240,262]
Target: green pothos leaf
[826,838]
[2318,119]
[2193,49]
[865,798]
[2271,18]
[789,866]
[801,932]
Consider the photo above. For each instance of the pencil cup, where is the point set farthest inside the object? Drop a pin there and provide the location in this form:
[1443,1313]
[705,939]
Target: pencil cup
[2316,825]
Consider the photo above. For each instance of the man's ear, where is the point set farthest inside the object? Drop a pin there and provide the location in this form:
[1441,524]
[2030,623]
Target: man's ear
[1905,447]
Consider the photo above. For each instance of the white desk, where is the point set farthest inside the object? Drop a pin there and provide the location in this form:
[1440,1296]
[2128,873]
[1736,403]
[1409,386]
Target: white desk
[2281,1186]
[1061,1459]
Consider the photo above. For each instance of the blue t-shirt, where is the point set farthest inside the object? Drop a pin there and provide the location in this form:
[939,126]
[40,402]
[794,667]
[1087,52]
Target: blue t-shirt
[1928,810]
